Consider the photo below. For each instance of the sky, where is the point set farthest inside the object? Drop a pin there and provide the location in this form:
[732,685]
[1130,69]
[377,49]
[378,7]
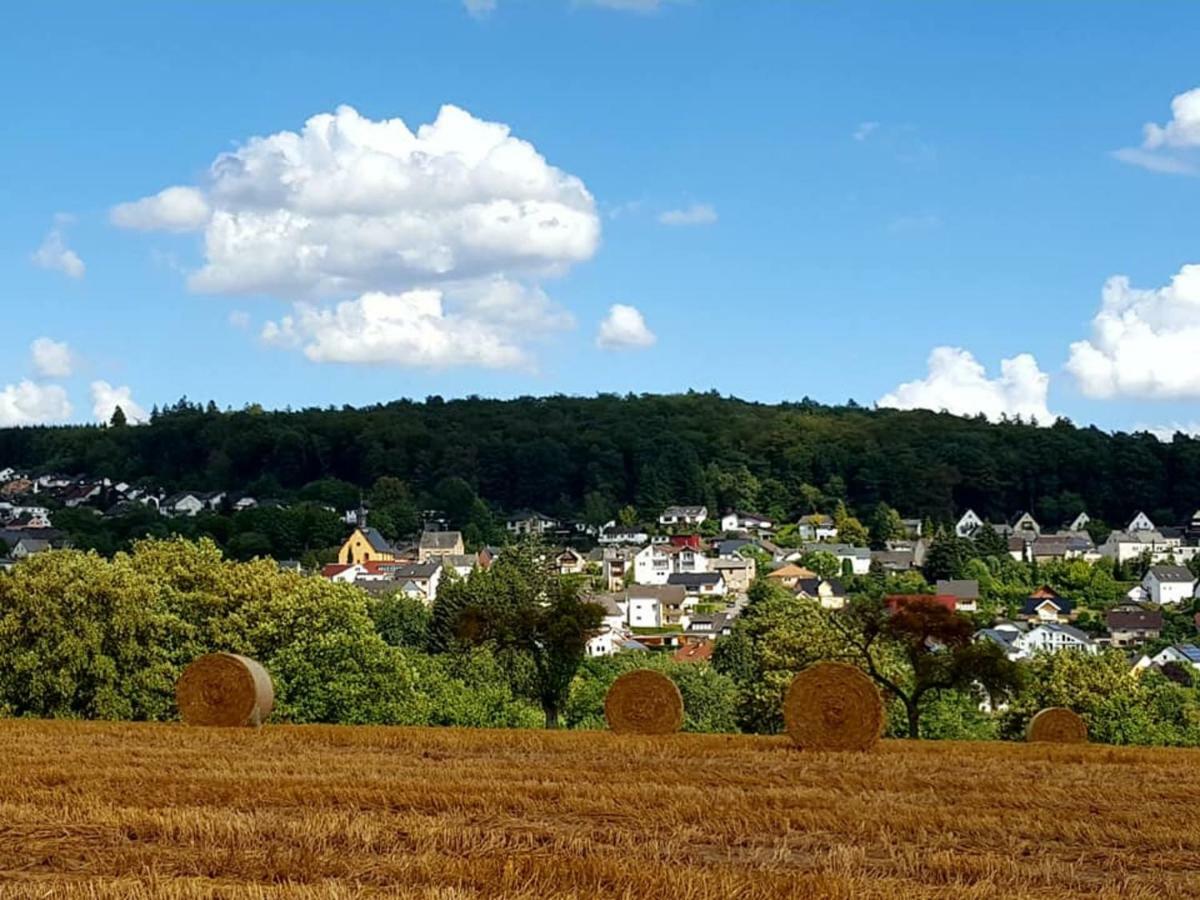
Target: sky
[984,207]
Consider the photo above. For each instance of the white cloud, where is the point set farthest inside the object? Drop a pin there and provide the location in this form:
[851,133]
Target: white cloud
[239,319]
[1144,343]
[624,328]
[476,324]
[106,399]
[56,255]
[696,214]
[29,403]
[865,130]
[171,209]
[1173,148]
[958,383]
[480,9]
[1166,433]
[51,359]
[349,205]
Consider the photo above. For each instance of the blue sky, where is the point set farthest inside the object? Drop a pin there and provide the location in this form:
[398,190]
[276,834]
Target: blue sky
[852,186]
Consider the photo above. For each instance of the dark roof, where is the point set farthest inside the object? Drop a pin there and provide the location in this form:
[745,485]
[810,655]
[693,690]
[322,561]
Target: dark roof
[377,541]
[1032,603]
[1134,619]
[962,588]
[410,570]
[1176,574]
[811,586]
[608,601]
[694,579]
[440,540]
[670,593]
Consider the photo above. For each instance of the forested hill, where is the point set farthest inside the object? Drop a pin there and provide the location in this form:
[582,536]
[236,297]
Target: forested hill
[588,456]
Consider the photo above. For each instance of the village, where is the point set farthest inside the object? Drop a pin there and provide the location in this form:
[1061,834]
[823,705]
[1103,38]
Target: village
[678,583]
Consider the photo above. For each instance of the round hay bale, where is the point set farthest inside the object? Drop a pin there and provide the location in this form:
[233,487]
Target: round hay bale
[833,706]
[224,689]
[644,702]
[1057,725]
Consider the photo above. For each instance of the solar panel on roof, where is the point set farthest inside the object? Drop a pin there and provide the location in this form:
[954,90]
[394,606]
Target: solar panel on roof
[1190,652]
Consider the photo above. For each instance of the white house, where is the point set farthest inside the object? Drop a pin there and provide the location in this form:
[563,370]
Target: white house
[968,524]
[529,522]
[612,533]
[1140,522]
[683,515]
[699,584]
[1008,636]
[816,528]
[602,643]
[828,592]
[1026,524]
[1126,545]
[1079,523]
[1183,654]
[648,606]
[1053,637]
[742,521]
[655,563]
[1169,584]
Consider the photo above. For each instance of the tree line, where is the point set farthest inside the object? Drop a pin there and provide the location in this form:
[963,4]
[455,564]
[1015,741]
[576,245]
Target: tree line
[588,458]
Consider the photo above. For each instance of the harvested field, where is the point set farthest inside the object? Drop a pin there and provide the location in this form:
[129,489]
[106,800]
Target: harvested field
[102,810]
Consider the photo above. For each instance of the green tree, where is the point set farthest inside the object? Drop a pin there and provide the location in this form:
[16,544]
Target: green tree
[821,562]
[516,607]
[118,419]
[935,643]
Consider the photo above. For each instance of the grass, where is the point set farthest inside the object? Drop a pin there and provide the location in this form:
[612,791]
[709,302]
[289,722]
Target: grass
[103,810]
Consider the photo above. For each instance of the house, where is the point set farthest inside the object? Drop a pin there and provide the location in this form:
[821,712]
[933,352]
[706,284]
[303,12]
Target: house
[1181,654]
[434,544]
[1126,545]
[1140,522]
[419,579]
[789,574]
[655,563]
[743,521]
[1130,625]
[615,606]
[1026,525]
[654,606]
[697,652]
[1044,605]
[190,503]
[828,592]
[913,527]
[244,503]
[731,548]
[965,591]
[1077,545]
[859,558]
[1054,637]
[570,562]
[1008,636]
[79,494]
[816,527]
[612,533]
[710,625]
[529,522]
[348,572]
[615,566]
[699,584]
[27,547]
[1169,584]
[968,524]
[738,573]
[895,602]
[683,515]
[1079,523]
[602,643]
[462,564]
[365,544]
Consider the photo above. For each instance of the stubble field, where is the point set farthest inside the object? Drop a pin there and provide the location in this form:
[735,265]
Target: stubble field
[101,810]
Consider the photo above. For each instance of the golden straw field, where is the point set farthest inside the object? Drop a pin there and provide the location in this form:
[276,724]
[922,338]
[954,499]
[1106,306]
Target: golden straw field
[108,810]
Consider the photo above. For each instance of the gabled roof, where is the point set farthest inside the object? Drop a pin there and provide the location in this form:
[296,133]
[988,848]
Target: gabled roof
[811,587]
[664,593]
[1032,603]
[377,541]
[791,570]
[1175,574]
[440,540]
[677,511]
[694,579]
[1134,619]
[1068,630]
[962,588]
[699,652]
[610,602]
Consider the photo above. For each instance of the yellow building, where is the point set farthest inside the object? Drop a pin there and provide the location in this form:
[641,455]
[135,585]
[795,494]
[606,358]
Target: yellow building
[366,545]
